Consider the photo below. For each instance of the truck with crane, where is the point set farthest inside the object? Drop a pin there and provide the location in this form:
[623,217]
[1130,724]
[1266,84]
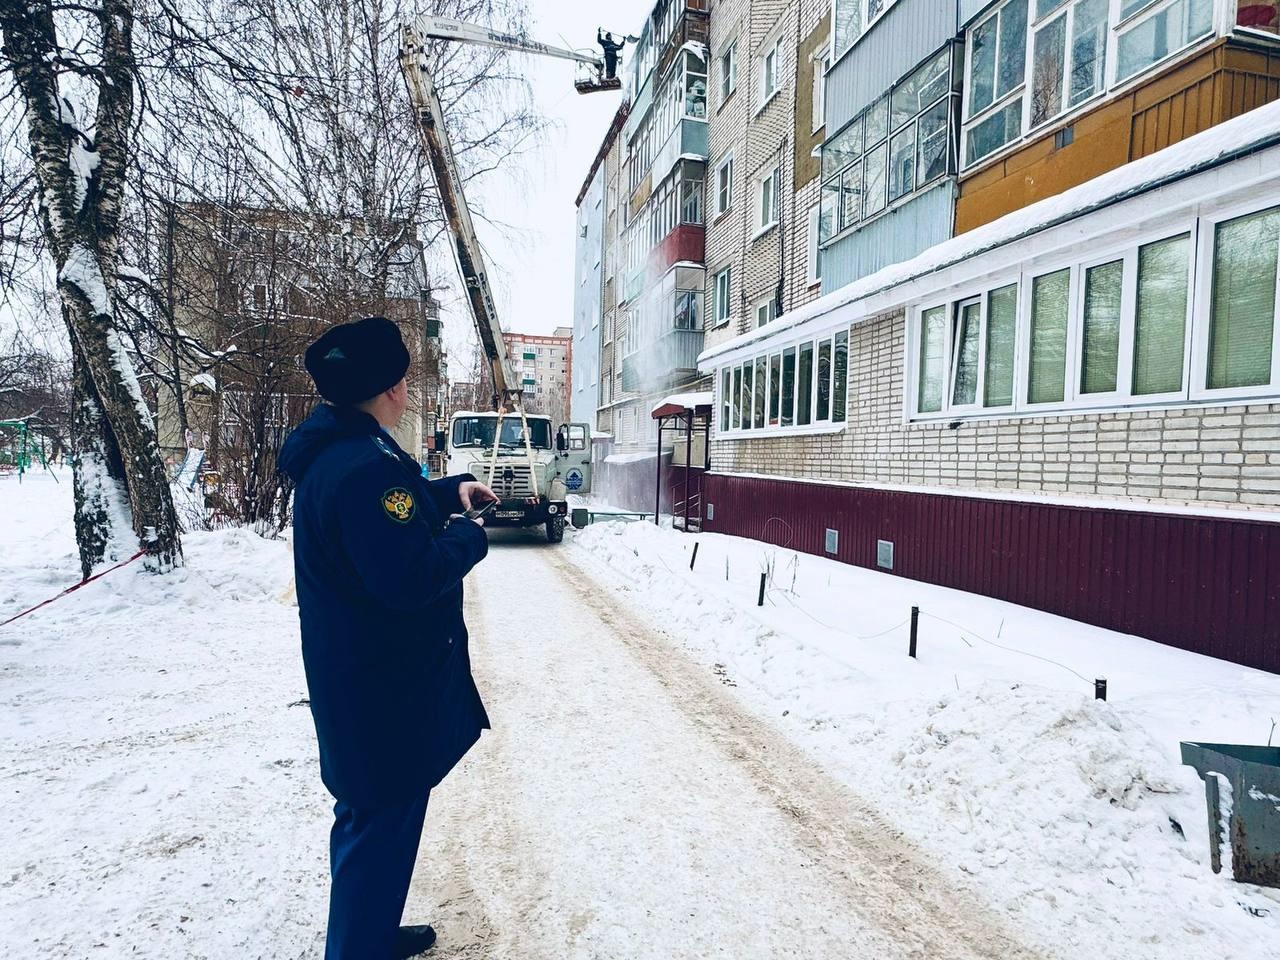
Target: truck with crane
[531,468]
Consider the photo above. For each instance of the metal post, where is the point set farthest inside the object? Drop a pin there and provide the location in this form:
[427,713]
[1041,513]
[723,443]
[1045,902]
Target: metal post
[694,558]
[1100,689]
[688,464]
[760,601]
[915,631]
[657,497]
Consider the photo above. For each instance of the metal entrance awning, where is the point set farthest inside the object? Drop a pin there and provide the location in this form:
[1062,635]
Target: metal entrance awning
[684,412]
[679,404]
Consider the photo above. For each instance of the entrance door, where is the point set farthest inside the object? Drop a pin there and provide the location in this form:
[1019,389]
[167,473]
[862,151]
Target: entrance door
[573,456]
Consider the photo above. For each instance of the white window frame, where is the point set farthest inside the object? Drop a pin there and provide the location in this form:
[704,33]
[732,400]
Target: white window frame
[721,192]
[867,23]
[821,64]
[728,66]
[1195,331]
[720,317]
[1111,83]
[779,349]
[1203,300]
[767,305]
[772,48]
[767,185]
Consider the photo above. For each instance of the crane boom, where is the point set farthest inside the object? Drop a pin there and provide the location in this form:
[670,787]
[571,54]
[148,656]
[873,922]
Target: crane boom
[442,28]
[471,266]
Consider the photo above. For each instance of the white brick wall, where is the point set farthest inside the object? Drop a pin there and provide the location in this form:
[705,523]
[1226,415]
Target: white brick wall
[1211,456]
[759,139]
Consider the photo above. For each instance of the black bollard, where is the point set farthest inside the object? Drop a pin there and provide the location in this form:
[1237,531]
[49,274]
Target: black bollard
[1099,689]
[760,601]
[694,558]
[915,630]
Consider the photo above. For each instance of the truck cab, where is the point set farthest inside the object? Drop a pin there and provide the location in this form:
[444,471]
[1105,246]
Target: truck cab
[561,464]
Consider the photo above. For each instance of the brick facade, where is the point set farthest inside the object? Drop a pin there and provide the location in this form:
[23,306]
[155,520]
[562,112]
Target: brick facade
[779,133]
[1210,456]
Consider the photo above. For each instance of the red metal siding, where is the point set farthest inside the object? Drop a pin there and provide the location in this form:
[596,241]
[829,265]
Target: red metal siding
[686,243]
[1206,584]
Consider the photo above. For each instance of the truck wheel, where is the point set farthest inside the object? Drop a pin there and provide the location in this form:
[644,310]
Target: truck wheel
[555,530]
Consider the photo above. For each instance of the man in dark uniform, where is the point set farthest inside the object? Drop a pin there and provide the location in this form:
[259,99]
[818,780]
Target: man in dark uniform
[610,48]
[380,554]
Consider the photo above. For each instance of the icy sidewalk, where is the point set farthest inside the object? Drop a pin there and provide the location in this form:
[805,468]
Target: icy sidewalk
[160,795]
[1073,817]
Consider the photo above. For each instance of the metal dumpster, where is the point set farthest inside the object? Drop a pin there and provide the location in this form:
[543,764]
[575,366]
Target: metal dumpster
[1254,804]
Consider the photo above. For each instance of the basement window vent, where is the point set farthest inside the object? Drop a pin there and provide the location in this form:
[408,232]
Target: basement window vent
[833,541]
[1064,137]
[884,554]
[711,511]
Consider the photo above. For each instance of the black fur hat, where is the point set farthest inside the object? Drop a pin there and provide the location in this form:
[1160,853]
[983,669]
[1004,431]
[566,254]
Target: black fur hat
[354,362]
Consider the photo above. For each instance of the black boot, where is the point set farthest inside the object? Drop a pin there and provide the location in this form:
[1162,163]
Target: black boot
[411,941]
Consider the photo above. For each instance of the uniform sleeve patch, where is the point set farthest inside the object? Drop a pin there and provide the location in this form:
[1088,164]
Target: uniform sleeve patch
[398,502]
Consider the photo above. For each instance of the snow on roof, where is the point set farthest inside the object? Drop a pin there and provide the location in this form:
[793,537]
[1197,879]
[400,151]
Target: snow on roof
[687,401]
[1243,135]
[204,380]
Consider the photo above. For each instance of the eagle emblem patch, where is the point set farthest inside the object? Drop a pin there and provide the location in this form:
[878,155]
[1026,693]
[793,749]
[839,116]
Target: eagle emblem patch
[398,502]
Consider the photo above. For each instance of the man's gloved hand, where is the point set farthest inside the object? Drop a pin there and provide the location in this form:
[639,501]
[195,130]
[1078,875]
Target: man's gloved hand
[473,493]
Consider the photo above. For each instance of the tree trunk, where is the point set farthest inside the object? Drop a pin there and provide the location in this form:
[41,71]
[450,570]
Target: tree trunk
[120,478]
[97,477]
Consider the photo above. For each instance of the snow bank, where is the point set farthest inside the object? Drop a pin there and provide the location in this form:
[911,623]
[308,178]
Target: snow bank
[162,795]
[1073,816]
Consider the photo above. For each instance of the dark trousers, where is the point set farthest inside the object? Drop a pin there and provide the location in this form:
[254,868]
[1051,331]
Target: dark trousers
[371,857]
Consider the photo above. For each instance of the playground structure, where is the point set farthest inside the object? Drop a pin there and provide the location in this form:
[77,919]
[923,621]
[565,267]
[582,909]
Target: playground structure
[20,446]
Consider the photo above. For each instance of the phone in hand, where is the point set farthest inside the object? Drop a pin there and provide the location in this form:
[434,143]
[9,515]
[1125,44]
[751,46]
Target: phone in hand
[475,513]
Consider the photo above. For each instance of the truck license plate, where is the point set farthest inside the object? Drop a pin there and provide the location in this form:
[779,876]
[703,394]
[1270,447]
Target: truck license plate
[508,514]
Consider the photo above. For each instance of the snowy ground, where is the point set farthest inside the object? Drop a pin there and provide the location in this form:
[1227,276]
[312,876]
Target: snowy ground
[673,772]
[1071,816]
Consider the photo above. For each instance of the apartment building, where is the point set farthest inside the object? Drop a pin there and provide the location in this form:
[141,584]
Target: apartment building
[658,276]
[769,61]
[1046,362]
[255,286]
[544,368]
[594,299]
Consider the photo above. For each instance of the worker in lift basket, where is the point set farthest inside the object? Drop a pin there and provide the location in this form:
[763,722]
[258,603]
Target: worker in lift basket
[380,554]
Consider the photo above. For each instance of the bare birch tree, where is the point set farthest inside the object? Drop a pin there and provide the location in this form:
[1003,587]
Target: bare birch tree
[79,100]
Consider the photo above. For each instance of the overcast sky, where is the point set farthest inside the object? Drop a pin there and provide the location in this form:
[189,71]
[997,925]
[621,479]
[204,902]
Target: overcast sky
[531,258]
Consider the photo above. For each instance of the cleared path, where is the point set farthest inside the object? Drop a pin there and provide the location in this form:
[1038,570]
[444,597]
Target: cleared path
[624,806]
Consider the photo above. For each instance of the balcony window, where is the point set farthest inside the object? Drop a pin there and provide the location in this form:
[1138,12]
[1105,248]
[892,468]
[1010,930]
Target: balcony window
[1161,32]
[897,146]
[691,201]
[802,385]
[1242,324]
[1171,318]
[996,75]
[853,18]
[686,313]
[1032,61]
[695,87]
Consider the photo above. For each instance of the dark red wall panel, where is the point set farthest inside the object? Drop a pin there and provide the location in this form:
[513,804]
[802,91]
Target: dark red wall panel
[1206,584]
[631,485]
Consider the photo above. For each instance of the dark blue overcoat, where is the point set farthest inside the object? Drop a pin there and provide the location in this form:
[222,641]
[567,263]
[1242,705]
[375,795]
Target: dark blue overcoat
[379,577]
